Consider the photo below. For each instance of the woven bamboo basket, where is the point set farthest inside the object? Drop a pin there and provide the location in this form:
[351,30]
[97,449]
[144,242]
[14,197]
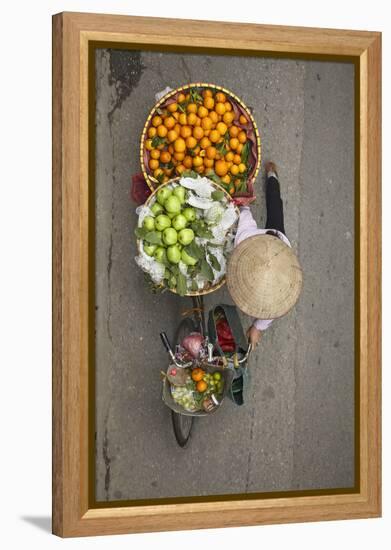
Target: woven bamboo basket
[152,182]
[151,199]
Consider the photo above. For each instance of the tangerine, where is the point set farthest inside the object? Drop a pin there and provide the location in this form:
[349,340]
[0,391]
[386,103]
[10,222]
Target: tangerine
[201,386]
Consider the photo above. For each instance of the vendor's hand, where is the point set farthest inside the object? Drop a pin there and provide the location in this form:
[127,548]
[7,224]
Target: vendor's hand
[254,336]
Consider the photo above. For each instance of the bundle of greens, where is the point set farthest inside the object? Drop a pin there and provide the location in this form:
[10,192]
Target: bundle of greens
[185,232]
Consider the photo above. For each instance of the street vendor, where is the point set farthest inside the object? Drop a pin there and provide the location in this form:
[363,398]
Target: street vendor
[264,277]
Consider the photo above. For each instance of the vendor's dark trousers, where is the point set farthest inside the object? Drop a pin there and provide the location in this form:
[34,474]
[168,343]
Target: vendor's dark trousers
[274,205]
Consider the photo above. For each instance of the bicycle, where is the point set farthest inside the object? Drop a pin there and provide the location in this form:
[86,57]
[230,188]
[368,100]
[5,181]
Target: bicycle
[183,422]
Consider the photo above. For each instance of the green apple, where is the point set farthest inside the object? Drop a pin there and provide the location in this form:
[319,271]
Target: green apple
[162,222]
[160,254]
[187,259]
[170,236]
[189,214]
[157,209]
[179,222]
[149,248]
[163,194]
[173,204]
[180,192]
[149,223]
[171,215]
[173,254]
[185,236]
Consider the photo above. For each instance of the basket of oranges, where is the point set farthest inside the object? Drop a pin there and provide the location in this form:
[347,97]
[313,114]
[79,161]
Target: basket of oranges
[201,129]
[196,386]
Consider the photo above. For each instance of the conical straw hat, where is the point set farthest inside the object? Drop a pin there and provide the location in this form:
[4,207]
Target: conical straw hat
[264,277]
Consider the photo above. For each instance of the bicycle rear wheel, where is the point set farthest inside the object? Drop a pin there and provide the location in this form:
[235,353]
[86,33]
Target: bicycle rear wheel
[181,423]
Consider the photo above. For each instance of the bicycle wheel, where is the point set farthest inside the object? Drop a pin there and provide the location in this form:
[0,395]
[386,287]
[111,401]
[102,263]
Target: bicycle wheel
[181,423]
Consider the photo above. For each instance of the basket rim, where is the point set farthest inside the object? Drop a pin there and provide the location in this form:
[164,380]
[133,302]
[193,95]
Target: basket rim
[138,241]
[152,182]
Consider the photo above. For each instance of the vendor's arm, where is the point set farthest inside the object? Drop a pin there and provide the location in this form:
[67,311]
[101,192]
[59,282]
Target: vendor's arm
[254,333]
[246,225]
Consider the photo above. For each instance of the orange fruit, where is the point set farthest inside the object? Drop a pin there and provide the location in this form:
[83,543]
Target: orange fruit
[200,169]
[177,128]
[242,136]
[179,156]
[205,142]
[220,108]
[168,171]
[211,152]
[234,131]
[158,173]
[172,107]
[187,97]
[237,159]
[229,156]
[208,162]
[202,111]
[191,142]
[222,128]
[169,122]
[226,179]
[201,386]
[198,121]
[188,161]
[207,93]
[213,116]
[155,154]
[191,119]
[172,135]
[181,97]
[171,148]
[161,131]
[182,119]
[228,106]
[180,145]
[152,132]
[165,157]
[239,148]
[221,97]
[176,115]
[233,143]
[153,164]
[197,374]
[197,161]
[180,169]
[209,102]
[234,169]
[228,117]
[148,145]
[156,120]
[214,136]
[206,123]
[221,168]
[185,132]
[198,132]
[192,108]
[242,167]
[243,119]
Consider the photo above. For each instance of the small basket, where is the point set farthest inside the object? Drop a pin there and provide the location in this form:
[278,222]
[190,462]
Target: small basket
[227,375]
[211,288]
[152,182]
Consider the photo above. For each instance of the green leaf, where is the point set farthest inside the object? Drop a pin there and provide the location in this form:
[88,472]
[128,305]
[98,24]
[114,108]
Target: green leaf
[217,195]
[195,251]
[214,177]
[245,152]
[156,141]
[206,270]
[194,286]
[201,230]
[214,261]
[221,148]
[181,286]
[153,237]
[189,174]
[141,232]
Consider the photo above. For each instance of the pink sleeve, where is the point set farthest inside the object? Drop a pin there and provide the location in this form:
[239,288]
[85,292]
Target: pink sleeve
[246,225]
[262,324]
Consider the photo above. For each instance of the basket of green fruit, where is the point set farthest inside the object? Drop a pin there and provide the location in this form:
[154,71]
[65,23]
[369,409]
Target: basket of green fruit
[185,232]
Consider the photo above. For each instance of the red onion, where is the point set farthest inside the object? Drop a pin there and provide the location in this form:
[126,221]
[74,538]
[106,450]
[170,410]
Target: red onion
[192,343]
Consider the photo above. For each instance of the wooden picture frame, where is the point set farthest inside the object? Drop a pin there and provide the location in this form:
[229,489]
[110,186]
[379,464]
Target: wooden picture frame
[73,35]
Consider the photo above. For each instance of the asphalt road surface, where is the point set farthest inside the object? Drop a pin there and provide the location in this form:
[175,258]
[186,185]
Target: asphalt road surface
[296,430]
